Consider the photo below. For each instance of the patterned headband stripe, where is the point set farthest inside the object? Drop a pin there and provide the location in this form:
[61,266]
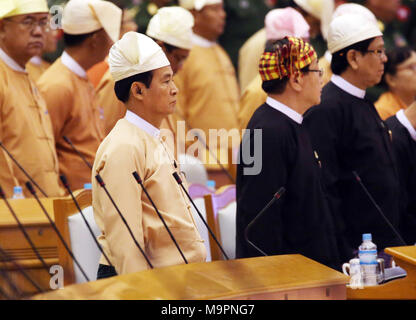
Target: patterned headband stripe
[286,60]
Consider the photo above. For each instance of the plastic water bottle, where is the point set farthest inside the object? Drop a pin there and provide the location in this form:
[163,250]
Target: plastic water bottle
[18,193]
[211,184]
[367,252]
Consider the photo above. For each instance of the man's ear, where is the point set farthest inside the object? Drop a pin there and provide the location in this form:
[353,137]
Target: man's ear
[2,29]
[296,82]
[352,56]
[137,90]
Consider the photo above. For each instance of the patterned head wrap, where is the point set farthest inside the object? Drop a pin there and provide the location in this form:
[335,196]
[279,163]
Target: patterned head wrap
[289,56]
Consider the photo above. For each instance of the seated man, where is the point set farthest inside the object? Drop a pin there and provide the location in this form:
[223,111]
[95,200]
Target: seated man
[143,82]
[301,222]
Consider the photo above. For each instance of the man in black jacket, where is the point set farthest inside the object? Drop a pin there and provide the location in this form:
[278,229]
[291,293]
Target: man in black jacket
[300,222]
[349,135]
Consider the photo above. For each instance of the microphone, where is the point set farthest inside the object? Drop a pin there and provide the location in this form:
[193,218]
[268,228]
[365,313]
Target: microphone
[33,192]
[66,185]
[67,140]
[7,258]
[139,181]
[179,181]
[23,170]
[357,177]
[22,228]
[102,185]
[276,197]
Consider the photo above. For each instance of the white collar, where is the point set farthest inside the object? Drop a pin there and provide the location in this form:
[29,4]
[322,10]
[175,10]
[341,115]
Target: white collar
[328,56]
[142,124]
[406,123]
[36,60]
[202,42]
[292,114]
[72,65]
[10,62]
[347,87]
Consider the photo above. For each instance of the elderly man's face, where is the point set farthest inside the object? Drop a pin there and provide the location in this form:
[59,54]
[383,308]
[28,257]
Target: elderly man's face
[24,36]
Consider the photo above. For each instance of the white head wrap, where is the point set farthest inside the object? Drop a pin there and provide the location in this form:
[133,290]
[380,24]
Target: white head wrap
[172,25]
[280,23]
[10,8]
[354,8]
[135,53]
[85,16]
[320,9]
[348,29]
[197,4]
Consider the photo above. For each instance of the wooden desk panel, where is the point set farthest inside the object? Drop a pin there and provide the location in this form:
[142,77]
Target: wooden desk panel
[275,277]
[16,246]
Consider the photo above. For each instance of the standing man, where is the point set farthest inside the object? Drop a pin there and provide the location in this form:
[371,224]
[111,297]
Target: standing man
[349,135]
[144,83]
[209,96]
[25,125]
[301,221]
[403,126]
[69,95]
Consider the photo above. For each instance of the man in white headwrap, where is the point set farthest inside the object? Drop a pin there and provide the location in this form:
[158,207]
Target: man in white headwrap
[349,135]
[171,28]
[346,8]
[25,125]
[279,23]
[90,28]
[144,83]
[209,96]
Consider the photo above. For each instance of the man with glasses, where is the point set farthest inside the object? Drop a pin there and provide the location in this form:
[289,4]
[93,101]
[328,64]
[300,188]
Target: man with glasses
[300,222]
[349,136]
[69,95]
[25,125]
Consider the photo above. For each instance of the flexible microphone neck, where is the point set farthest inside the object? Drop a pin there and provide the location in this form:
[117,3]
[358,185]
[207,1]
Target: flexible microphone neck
[140,182]
[358,178]
[102,185]
[33,192]
[67,140]
[66,185]
[276,197]
[179,181]
[23,170]
[22,228]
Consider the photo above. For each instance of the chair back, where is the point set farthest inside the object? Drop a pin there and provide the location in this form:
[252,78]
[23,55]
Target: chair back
[221,214]
[197,193]
[76,234]
[194,169]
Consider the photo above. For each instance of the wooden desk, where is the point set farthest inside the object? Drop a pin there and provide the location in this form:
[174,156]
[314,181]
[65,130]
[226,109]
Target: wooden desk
[291,277]
[404,288]
[15,244]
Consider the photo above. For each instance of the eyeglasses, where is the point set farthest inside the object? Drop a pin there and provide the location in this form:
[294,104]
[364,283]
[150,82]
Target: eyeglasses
[30,24]
[320,72]
[379,52]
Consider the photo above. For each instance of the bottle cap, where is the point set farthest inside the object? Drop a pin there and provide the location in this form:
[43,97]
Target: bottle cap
[367,236]
[88,186]
[17,189]
[211,184]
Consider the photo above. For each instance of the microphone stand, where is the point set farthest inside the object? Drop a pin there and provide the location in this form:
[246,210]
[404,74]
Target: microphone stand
[33,192]
[139,181]
[179,181]
[276,197]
